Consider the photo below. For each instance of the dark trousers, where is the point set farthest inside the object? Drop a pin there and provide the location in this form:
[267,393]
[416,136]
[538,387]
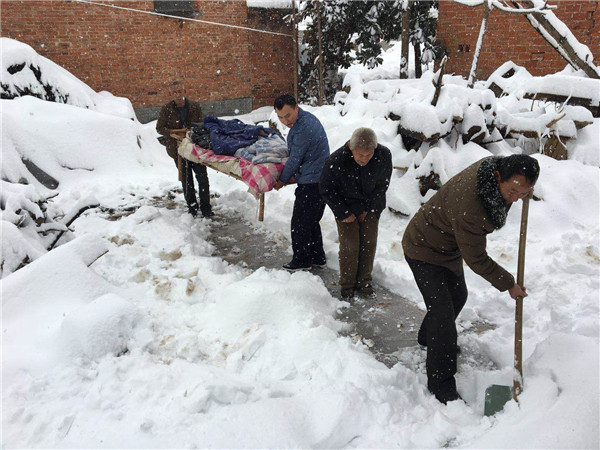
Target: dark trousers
[307,241]
[188,169]
[445,294]
[358,242]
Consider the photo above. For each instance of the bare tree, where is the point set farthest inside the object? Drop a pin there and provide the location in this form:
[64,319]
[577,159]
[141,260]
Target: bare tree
[320,31]
[418,68]
[295,43]
[563,42]
[486,14]
[545,22]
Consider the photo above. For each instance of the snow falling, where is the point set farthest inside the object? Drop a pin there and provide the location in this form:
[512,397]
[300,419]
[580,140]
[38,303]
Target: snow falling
[134,333]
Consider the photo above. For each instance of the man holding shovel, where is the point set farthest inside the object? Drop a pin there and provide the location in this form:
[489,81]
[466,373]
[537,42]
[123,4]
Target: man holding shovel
[452,227]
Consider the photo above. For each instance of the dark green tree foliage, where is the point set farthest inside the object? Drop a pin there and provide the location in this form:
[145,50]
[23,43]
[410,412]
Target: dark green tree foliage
[335,28]
[353,30]
[423,23]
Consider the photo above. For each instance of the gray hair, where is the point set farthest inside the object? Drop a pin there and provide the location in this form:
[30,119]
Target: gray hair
[364,138]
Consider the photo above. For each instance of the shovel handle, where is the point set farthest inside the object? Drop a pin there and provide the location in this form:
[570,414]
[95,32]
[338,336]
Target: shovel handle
[518,374]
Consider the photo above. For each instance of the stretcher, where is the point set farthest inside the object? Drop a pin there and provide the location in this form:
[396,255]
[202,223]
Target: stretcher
[259,178]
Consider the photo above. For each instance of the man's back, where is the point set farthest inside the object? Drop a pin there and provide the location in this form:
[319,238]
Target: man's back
[453,225]
[309,148]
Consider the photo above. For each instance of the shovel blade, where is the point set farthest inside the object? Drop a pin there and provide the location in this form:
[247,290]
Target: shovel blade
[496,396]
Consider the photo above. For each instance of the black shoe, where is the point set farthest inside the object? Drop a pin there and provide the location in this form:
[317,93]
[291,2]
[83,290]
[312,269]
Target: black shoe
[208,214]
[293,267]
[347,293]
[193,211]
[449,396]
[367,291]
[320,263]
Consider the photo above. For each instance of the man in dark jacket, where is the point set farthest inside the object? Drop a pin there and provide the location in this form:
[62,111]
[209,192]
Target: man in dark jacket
[175,116]
[309,148]
[353,184]
[452,227]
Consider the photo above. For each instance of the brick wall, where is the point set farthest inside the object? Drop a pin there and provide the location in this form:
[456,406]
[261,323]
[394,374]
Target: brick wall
[511,37]
[271,55]
[136,55]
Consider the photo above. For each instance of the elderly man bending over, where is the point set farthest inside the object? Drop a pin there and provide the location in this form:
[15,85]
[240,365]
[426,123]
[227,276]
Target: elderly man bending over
[353,184]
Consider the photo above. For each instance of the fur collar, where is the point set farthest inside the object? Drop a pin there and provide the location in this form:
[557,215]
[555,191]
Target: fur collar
[489,194]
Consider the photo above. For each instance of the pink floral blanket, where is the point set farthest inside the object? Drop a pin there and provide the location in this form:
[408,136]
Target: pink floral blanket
[259,177]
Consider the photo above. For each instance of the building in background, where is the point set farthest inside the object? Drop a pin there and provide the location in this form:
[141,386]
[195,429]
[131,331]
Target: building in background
[128,50]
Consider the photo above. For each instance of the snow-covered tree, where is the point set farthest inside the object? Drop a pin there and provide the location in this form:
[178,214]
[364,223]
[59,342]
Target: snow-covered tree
[354,30]
[423,25]
[336,46]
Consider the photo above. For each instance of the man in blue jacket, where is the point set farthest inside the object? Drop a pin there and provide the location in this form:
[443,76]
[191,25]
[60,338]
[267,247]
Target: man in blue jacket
[309,148]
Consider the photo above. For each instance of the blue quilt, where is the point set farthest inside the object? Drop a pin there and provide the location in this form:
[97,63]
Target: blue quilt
[226,136]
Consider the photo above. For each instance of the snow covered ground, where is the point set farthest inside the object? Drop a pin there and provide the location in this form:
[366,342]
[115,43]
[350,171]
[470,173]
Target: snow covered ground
[134,334]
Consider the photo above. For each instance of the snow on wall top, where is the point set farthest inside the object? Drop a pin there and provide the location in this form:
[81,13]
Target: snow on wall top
[282,4]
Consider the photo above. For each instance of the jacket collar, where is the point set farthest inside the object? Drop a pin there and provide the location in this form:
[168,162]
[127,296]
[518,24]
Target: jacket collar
[489,193]
[301,114]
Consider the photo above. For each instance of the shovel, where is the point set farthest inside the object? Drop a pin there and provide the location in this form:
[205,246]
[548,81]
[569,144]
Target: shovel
[496,396]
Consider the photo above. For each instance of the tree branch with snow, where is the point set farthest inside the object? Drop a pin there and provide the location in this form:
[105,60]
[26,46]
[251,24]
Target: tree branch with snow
[545,22]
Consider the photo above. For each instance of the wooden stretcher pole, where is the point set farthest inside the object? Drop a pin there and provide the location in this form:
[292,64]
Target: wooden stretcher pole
[177,135]
[261,207]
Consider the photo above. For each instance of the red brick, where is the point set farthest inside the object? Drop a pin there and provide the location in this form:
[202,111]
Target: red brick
[132,53]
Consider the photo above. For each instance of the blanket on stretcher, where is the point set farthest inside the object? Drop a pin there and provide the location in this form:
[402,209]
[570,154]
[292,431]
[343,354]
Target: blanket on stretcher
[259,177]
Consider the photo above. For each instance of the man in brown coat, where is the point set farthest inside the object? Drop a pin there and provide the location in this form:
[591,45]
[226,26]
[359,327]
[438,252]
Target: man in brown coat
[174,116]
[452,227]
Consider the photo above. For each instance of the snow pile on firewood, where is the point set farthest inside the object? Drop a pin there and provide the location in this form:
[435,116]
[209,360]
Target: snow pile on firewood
[427,122]
[513,106]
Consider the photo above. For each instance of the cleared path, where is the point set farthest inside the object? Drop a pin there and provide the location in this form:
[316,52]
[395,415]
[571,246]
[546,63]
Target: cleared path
[386,324]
